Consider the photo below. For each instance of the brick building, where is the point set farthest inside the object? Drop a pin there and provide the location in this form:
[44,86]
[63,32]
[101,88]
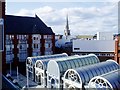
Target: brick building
[117,49]
[27,36]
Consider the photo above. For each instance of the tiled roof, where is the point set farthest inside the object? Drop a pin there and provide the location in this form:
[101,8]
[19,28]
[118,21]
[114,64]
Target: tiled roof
[26,25]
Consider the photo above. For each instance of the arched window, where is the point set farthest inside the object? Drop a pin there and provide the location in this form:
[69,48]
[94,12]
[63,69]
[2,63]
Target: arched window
[20,46]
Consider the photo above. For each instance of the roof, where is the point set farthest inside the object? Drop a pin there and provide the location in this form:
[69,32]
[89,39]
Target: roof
[96,70]
[113,78]
[34,59]
[74,62]
[77,62]
[109,80]
[85,36]
[26,25]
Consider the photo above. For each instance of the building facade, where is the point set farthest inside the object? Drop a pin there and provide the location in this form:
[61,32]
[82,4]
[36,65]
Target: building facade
[104,49]
[27,36]
[105,36]
[117,49]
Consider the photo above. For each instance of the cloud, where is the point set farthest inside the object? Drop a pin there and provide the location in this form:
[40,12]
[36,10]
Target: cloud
[82,20]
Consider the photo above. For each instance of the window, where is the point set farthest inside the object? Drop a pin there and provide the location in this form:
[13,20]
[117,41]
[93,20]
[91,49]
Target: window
[12,36]
[49,36]
[49,45]
[34,38]
[20,46]
[45,36]
[46,45]
[20,37]
[6,36]
[36,46]
[118,51]
[76,48]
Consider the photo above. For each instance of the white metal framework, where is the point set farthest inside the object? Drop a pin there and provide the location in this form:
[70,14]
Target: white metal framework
[30,63]
[41,68]
[56,68]
[107,81]
[79,77]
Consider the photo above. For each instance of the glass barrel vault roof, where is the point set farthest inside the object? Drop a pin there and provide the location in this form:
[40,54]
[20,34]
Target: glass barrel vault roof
[69,63]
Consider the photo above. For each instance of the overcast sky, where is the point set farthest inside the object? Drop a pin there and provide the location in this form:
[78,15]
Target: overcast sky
[84,17]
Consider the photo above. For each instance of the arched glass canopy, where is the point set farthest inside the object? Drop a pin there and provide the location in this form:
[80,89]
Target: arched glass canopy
[80,61]
[32,60]
[41,67]
[109,81]
[84,74]
[30,63]
[61,65]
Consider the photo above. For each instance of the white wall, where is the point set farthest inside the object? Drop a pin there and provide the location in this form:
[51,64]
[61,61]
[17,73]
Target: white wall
[104,36]
[93,45]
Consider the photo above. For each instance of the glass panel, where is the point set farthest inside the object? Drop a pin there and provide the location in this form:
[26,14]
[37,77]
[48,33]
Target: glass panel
[60,66]
[68,64]
[91,60]
[83,61]
[76,63]
[72,63]
[45,64]
[64,66]
[87,61]
[79,61]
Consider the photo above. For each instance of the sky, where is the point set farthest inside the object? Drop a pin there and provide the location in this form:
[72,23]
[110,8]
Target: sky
[85,18]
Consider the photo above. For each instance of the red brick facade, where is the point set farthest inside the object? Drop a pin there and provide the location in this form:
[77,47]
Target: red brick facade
[117,49]
[30,46]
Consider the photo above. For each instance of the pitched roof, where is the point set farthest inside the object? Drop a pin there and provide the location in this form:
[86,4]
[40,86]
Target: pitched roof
[26,25]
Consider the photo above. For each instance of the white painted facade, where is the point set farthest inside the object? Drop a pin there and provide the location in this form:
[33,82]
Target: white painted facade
[93,45]
[104,36]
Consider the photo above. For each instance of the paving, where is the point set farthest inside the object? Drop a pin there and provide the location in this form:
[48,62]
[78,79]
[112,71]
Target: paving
[22,81]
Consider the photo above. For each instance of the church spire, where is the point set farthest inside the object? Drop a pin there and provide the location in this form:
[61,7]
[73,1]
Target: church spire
[67,31]
[67,24]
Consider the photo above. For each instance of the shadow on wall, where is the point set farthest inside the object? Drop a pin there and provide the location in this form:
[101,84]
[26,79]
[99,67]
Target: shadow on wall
[67,50]
[102,58]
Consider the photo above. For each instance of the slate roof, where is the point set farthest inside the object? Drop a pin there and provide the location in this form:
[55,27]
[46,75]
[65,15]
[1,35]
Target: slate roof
[26,25]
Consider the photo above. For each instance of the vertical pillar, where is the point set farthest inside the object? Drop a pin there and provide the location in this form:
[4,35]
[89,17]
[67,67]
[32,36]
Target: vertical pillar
[29,45]
[42,45]
[118,59]
[53,43]
[15,51]
[116,50]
